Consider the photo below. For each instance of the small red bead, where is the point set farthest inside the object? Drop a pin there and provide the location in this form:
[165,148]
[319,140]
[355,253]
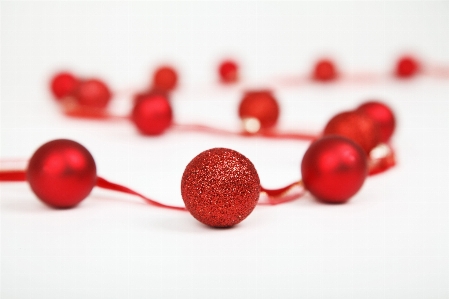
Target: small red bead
[220,187]
[152,114]
[324,70]
[165,78]
[261,105]
[407,67]
[63,84]
[334,169]
[228,71]
[382,115]
[355,126]
[62,173]
[93,93]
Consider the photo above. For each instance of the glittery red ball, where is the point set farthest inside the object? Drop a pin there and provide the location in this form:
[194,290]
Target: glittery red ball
[165,78]
[63,84]
[261,105]
[382,115]
[93,93]
[152,114]
[62,173]
[220,187]
[334,169]
[324,70]
[407,67]
[355,126]
[228,71]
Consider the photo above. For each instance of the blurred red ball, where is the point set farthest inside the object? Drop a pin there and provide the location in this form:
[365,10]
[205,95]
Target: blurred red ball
[228,71]
[334,169]
[93,93]
[260,105]
[382,115]
[62,173]
[325,70]
[220,187]
[165,78]
[152,114]
[355,126]
[407,67]
[63,84]
[152,92]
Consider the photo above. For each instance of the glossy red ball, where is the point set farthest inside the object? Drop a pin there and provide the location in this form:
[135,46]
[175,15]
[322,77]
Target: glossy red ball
[165,79]
[324,70]
[93,93]
[228,71]
[334,169]
[260,105]
[355,126]
[220,187]
[62,173]
[152,114]
[63,84]
[407,67]
[382,115]
[143,95]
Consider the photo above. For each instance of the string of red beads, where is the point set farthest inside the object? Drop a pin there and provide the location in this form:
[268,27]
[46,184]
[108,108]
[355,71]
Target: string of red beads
[220,187]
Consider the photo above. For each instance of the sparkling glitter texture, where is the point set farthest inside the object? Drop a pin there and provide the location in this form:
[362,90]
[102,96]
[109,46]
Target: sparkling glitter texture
[220,187]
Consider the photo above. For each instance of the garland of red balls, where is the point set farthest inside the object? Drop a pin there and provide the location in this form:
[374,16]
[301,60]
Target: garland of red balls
[220,187]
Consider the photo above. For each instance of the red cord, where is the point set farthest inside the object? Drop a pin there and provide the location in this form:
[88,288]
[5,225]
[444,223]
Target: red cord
[102,183]
[12,176]
[276,196]
[266,134]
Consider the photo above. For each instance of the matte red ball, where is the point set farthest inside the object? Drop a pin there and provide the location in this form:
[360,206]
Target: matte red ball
[62,173]
[63,84]
[152,114]
[165,78]
[325,70]
[407,67]
[93,93]
[261,105]
[220,187]
[334,169]
[382,115]
[228,71]
[355,126]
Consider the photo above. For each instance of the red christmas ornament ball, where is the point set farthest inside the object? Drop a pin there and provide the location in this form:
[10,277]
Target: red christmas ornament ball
[93,93]
[220,187]
[324,70]
[228,71]
[382,115]
[145,94]
[165,78]
[152,114]
[62,173]
[407,67]
[334,169]
[260,105]
[355,126]
[63,84]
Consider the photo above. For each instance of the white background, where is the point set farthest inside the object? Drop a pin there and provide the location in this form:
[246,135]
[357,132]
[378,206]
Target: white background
[390,241]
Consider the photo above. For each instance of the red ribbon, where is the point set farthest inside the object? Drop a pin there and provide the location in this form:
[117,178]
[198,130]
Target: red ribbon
[276,196]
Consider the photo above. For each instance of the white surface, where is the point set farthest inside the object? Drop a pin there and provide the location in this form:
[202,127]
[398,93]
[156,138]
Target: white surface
[390,241]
